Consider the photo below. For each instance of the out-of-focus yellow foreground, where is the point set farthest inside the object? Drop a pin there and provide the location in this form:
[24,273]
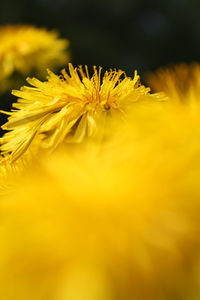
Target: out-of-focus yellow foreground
[113,220]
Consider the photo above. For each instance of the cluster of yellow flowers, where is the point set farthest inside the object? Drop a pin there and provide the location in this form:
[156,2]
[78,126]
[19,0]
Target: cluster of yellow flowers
[99,185]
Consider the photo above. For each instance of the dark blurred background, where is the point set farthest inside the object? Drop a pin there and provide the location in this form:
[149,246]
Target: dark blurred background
[126,34]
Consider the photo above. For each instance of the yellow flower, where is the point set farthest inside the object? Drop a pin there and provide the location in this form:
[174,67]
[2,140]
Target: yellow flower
[25,48]
[180,82]
[119,223]
[69,107]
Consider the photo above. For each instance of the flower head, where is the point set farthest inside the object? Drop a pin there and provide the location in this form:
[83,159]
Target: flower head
[25,48]
[68,107]
[180,82]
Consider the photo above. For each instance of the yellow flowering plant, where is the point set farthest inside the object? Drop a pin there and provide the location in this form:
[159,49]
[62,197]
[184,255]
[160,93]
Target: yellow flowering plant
[109,222]
[25,49]
[114,215]
[69,108]
[180,82]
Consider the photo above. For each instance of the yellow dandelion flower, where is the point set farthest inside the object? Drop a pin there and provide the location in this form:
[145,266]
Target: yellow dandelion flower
[25,48]
[122,223]
[180,82]
[68,107]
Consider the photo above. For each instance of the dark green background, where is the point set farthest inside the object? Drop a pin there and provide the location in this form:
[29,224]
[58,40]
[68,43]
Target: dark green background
[125,34]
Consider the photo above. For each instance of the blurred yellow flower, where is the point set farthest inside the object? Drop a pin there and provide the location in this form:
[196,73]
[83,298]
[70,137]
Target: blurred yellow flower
[117,222]
[180,82]
[25,48]
[69,107]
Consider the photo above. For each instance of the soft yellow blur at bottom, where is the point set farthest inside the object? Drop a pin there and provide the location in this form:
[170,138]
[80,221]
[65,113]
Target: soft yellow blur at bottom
[116,221]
